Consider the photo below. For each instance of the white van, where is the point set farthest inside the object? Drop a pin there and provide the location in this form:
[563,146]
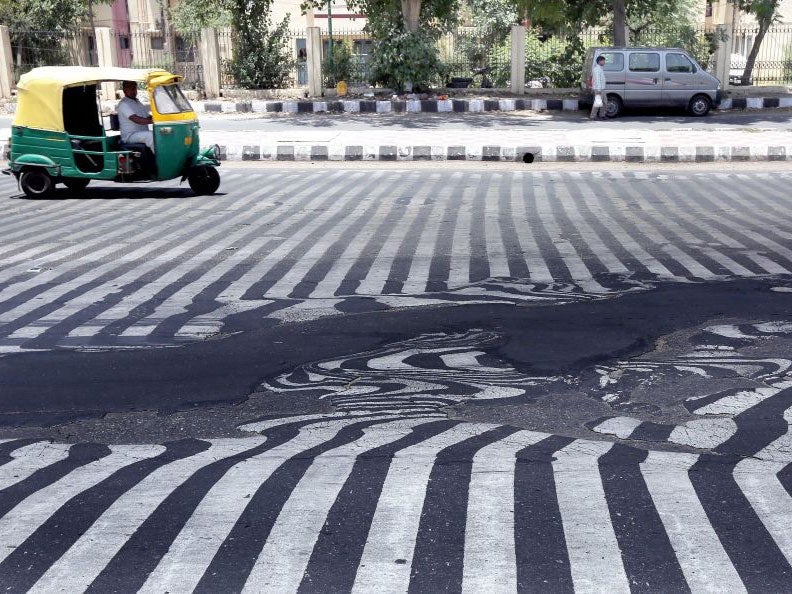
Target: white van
[651,77]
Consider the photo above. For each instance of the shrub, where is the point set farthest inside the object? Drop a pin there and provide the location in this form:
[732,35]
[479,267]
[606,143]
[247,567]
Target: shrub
[340,67]
[403,57]
[262,56]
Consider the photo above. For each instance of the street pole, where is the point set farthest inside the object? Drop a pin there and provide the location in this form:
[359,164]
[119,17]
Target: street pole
[330,33]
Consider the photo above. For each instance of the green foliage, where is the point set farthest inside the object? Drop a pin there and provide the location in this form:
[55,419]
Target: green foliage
[43,15]
[262,57]
[340,66]
[403,57]
[190,16]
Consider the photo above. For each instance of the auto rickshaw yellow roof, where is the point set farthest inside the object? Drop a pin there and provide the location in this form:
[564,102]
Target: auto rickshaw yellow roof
[40,91]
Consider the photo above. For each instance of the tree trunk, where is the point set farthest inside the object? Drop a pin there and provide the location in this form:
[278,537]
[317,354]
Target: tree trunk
[411,10]
[764,26]
[619,23]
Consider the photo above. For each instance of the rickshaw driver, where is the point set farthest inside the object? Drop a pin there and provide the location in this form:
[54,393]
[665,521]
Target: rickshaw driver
[133,118]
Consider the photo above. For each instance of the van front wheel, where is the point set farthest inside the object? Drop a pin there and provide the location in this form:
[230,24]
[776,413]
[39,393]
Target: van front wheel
[36,183]
[700,105]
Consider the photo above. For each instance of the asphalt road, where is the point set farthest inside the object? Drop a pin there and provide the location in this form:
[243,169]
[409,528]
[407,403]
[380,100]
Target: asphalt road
[395,378]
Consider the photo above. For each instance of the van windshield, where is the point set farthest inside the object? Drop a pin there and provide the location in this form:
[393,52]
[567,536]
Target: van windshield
[169,99]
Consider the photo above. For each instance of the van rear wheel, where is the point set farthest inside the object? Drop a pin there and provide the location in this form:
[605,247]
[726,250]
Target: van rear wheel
[700,105]
[36,183]
[613,107]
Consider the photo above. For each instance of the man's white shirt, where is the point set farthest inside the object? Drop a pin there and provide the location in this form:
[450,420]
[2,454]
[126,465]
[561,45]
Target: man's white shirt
[598,81]
[127,107]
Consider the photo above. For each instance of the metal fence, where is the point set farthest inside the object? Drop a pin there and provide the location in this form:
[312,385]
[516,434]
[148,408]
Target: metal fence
[178,53]
[30,49]
[556,57]
[773,63]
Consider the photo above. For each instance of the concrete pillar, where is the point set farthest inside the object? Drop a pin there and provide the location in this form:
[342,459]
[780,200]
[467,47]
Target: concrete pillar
[723,54]
[6,63]
[79,49]
[107,55]
[518,59]
[313,46]
[210,62]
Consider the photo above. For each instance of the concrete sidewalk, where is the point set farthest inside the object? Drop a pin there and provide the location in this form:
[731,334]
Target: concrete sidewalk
[606,143]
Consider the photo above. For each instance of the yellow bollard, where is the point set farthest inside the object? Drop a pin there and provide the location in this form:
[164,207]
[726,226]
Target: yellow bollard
[341,88]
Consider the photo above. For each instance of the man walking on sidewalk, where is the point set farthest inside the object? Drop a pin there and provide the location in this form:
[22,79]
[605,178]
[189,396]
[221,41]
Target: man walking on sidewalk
[598,86]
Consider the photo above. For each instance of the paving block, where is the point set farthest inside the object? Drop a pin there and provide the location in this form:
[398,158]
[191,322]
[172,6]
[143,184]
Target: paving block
[414,106]
[476,105]
[565,153]
[422,153]
[460,105]
[251,153]
[534,151]
[351,106]
[741,153]
[776,153]
[258,106]
[319,152]
[754,102]
[285,153]
[320,106]
[244,107]
[555,104]
[669,154]
[538,104]
[228,107]
[600,153]
[634,154]
[456,153]
[445,106]
[305,107]
[274,106]
[388,152]
[705,154]
[726,104]
[429,105]
[571,105]
[491,105]
[400,106]
[739,103]
[368,107]
[771,102]
[506,105]
[384,107]
[212,107]
[490,153]
[785,102]
[353,153]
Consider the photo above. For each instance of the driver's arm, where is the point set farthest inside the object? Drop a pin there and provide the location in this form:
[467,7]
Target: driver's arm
[142,121]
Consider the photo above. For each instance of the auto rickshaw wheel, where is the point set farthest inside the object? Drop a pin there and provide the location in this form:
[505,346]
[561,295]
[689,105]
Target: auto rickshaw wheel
[36,183]
[204,180]
[75,184]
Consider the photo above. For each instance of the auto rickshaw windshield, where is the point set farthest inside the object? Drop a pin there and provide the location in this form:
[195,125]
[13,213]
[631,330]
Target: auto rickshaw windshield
[169,99]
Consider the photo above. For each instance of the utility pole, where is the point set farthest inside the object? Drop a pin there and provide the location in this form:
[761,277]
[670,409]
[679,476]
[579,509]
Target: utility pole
[330,32]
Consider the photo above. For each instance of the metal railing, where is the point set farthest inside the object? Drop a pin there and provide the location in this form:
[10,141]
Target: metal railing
[30,49]
[554,56]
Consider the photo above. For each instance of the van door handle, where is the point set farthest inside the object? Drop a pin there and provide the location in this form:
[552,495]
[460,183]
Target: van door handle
[167,130]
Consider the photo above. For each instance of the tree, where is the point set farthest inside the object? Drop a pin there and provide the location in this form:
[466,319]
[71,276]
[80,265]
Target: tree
[190,16]
[766,13]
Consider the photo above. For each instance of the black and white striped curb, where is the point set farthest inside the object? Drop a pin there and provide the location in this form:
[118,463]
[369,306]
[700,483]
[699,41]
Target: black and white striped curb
[526,154]
[442,106]
[428,105]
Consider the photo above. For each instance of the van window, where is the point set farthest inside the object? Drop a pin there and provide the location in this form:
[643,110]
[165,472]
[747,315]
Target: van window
[644,62]
[678,63]
[614,61]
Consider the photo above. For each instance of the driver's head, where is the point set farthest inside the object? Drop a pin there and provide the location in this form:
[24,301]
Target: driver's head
[130,88]
[601,60]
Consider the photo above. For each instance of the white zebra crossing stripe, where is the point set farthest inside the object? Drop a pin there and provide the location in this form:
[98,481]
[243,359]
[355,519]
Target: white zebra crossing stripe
[29,459]
[758,479]
[281,564]
[527,242]
[19,523]
[490,563]
[394,527]
[594,554]
[704,562]
[181,568]
[76,569]
[459,275]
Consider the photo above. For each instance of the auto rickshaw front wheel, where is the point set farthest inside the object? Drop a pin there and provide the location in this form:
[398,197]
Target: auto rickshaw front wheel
[203,180]
[75,184]
[36,183]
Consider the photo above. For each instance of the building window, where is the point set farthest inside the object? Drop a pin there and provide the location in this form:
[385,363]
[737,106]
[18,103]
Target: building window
[123,42]
[157,43]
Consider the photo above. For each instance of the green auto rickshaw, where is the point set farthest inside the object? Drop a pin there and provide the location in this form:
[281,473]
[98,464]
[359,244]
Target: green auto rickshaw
[58,133]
